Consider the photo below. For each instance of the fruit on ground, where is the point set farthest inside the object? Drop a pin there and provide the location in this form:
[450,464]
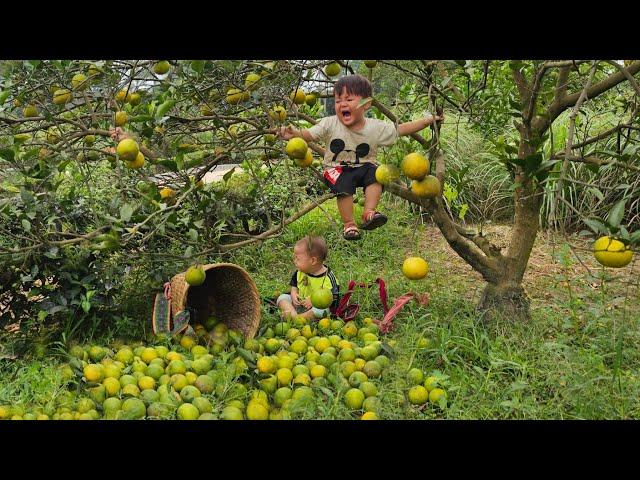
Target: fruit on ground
[297,148]
[428,187]
[415,268]
[611,252]
[415,166]
[195,275]
[418,395]
[128,149]
[187,411]
[354,398]
[436,394]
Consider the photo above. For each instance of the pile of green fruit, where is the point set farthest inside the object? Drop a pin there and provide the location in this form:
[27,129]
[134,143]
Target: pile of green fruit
[217,374]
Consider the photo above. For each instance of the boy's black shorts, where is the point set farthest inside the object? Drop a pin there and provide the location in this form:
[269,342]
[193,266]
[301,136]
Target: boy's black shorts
[350,178]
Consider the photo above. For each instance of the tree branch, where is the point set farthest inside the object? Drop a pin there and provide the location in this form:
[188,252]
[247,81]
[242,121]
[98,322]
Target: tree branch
[557,107]
[270,232]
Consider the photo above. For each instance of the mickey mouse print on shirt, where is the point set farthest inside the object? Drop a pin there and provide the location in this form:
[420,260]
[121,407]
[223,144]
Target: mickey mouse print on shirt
[349,147]
[346,156]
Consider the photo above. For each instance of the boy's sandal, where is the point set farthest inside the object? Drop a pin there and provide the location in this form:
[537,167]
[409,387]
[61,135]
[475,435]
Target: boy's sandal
[374,220]
[351,233]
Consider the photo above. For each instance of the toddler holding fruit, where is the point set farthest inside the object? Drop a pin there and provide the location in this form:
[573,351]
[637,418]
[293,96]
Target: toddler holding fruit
[312,283]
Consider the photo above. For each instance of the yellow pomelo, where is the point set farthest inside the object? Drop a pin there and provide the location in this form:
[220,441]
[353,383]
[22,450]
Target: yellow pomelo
[298,96]
[318,371]
[611,252]
[415,166]
[161,67]
[61,96]
[428,187]
[436,394]
[30,111]
[121,118]
[121,96]
[135,98]
[93,372]
[235,96]
[195,275]
[137,163]
[306,161]
[332,69]
[146,383]
[430,383]
[354,399]
[370,63]
[322,298]
[385,174]
[257,411]
[251,80]
[311,99]
[112,386]
[415,268]
[128,149]
[418,395]
[297,148]
[79,82]
[167,192]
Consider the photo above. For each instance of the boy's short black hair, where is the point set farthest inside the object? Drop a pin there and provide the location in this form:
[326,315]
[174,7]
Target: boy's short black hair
[355,85]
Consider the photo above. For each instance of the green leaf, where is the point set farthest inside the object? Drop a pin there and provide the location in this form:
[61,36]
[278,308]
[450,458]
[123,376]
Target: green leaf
[227,175]
[616,213]
[532,163]
[4,95]
[126,211]
[164,108]
[7,154]
[596,192]
[624,234]
[140,118]
[193,235]
[26,225]
[463,211]
[168,164]
[634,238]
[596,225]
[197,65]
[27,197]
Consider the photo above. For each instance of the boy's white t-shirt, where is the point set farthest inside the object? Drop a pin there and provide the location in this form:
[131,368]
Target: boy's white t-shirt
[374,133]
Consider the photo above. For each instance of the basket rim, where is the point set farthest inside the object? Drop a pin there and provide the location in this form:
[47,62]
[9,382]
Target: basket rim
[180,293]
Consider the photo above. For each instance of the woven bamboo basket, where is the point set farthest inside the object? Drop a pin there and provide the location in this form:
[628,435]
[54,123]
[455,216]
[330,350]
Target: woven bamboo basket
[228,293]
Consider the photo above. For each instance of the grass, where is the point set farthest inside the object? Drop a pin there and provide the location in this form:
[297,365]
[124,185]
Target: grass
[577,358]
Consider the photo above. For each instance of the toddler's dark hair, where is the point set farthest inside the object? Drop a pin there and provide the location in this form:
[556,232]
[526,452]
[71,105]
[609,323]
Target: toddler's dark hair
[315,246]
[355,85]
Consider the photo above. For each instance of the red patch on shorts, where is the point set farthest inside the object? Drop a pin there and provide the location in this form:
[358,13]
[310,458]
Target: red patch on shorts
[332,174]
